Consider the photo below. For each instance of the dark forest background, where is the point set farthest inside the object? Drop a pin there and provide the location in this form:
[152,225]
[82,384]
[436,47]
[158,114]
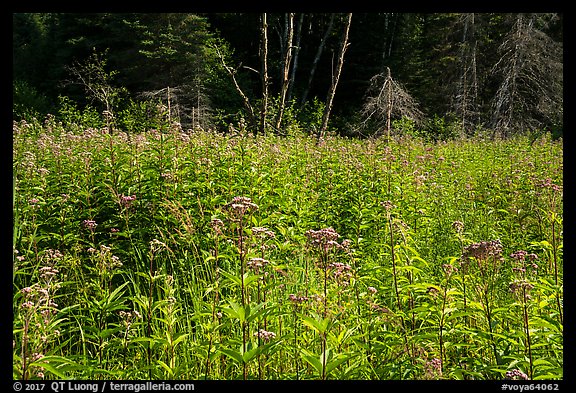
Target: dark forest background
[437,74]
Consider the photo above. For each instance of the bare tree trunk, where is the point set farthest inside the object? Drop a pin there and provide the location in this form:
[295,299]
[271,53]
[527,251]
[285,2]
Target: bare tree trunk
[286,69]
[388,103]
[296,52]
[264,57]
[390,28]
[392,36]
[336,77]
[468,81]
[245,99]
[317,59]
[169,106]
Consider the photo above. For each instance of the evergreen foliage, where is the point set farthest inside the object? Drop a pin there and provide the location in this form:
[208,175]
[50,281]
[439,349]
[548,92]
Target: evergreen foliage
[476,70]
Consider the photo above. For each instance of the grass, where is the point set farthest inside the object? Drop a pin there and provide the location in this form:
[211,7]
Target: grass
[210,256]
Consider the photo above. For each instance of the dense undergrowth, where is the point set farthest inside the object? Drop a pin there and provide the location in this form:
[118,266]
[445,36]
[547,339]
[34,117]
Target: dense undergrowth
[209,256]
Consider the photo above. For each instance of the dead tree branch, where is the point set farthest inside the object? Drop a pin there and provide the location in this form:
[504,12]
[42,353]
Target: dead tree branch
[388,99]
[245,100]
[336,77]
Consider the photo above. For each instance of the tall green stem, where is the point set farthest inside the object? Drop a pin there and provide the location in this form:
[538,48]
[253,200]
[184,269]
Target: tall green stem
[527,330]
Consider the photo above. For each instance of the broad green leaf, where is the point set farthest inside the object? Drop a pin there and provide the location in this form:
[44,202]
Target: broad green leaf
[50,368]
[255,311]
[231,277]
[313,360]
[179,339]
[251,352]
[319,325]
[57,365]
[335,362]
[166,368]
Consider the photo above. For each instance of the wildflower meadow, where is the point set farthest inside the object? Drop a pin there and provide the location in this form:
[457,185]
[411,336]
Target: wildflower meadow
[198,255]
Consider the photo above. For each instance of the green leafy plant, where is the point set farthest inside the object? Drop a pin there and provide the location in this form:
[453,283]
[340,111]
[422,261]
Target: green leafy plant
[172,255]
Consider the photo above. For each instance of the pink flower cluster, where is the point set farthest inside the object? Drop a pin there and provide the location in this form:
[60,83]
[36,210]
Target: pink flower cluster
[548,184]
[521,255]
[89,224]
[433,369]
[106,261]
[520,289]
[324,239]
[216,224]
[342,272]
[520,258]
[449,269]
[128,317]
[239,206]
[257,263]
[265,335]
[379,308]
[263,233]
[39,297]
[483,250]
[297,299]
[126,200]
[516,374]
